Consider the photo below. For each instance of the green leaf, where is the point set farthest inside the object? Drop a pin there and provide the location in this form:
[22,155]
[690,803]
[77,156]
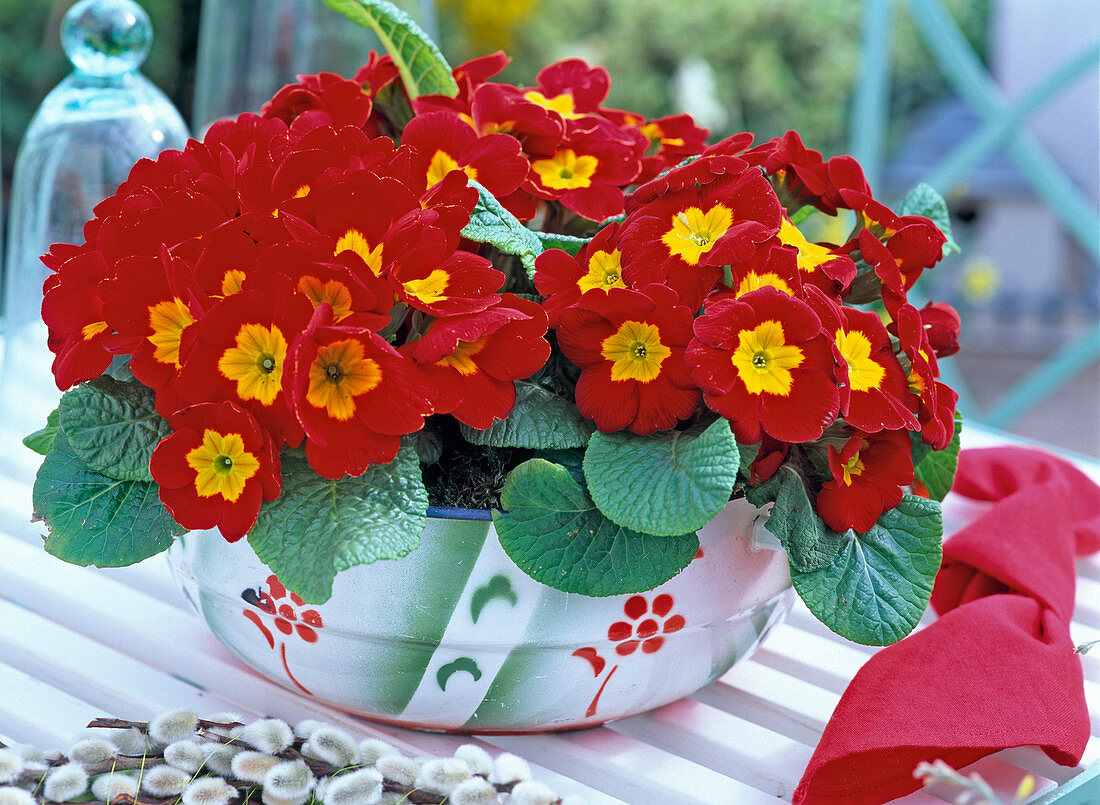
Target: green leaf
[113,427]
[318,527]
[491,223]
[936,468]
[665,484]
[809,543]
[96,520]
[540,420]
[423,69]
[568,243]
[747,454]
[557,536]
[120,369]
[877,587]
[802,214]
[924,200]
[571,458]
[42,440]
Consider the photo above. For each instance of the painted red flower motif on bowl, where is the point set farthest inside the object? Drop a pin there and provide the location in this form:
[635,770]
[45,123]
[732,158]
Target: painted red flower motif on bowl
[646,627]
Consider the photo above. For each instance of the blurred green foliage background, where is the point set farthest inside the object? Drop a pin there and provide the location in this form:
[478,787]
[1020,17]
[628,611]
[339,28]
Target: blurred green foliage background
[777,64]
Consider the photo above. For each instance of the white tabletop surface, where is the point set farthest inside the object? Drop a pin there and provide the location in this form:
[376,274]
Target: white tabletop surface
[77,643]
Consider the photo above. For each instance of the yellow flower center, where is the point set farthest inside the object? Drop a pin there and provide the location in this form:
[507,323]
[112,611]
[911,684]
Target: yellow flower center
[443,163]
[810,255]
[232,281]
[851,468]
[916,381]
[222,465]
[764,359]
[636,352]
[256,363]
[863,373]
[694,232]
[90,331]
[430,289]
[657,137]
[604,272]
[753,281]
[462,358]
[332,291]
[168,320]
[302,191]
[354,241]
[562,104]
[340,373]
[566,170]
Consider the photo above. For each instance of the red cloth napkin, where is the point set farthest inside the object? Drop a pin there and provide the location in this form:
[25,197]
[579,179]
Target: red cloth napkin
[998,668]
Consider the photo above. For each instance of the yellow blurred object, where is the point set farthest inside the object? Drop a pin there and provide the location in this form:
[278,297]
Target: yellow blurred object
[488,24]
[980,280]
[1027,785]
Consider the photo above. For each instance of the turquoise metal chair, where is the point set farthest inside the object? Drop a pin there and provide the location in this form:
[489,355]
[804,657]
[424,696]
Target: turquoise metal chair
[1002,127]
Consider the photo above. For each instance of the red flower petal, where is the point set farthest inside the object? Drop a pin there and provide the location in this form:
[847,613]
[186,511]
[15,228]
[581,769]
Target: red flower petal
[653,645]
[635,607]
[619,630]
[627,648]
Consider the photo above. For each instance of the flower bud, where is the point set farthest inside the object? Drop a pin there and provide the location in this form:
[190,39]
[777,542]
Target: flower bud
[219,757]
[208,791]
[288,779]
[398,768]
[106,787]
[130,741]
[271,735]
[164,781]
[530,792]
[372,748]
[360,787]
[92,752]
[333,746]
[475,791]
[509,768]
[11,764]
[476,758]
[252,766]
[175,725]
[186,755]
[306,727]
[66,782]
[10,795]
[441,775]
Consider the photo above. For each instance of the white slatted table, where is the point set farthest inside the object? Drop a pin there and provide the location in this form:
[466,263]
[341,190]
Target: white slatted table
[78,643]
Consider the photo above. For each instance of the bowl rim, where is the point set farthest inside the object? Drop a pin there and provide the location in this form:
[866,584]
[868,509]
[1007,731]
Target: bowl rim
[457,513]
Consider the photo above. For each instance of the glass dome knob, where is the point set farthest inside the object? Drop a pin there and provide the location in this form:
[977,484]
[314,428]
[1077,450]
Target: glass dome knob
[106,37]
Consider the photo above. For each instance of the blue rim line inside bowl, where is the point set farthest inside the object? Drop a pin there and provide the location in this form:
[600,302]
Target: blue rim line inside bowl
[454,513]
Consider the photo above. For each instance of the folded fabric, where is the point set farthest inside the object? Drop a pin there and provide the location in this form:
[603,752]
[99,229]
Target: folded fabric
[998,668]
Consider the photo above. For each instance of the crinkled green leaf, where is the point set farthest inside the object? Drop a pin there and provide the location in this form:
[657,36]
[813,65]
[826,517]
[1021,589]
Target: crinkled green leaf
[810,544]
[936,468]
[877,587]
[113,427]
[96,520]
[42,440]
[423,69]
[566,243]
[556,535]
[924,200]
[540,420]
[665,484]
[318,527]
[571,458]
[491,223]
